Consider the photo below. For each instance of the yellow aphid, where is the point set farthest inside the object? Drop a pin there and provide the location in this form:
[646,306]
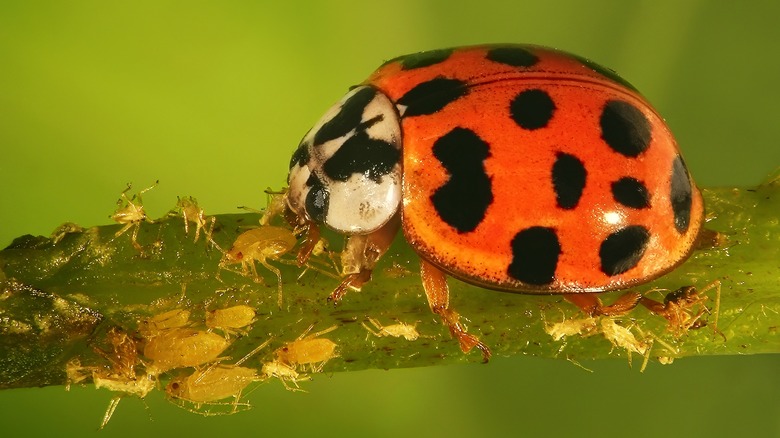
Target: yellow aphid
[131,214]
[622,337]
[276,205]
[215,382]
[406,331]
[183,347]
[260,244]
[212,384]
[156,324]
[308,350]
[191,212]
[231,320]
[283,372]
[571,327]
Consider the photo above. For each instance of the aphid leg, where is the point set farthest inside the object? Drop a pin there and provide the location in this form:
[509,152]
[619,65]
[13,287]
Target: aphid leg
[124,229]
[278,273]
[146,190]
[438,293]
[248,268]
[134,238]
[591,304]
[316,334]
[112,405]
[360,256]
[254,351]
[377,325]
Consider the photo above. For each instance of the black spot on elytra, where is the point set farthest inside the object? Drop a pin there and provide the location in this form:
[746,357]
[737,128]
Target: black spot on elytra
[623,249]
[625,129]
[512,56]
[430,97]
[348,117]
[364,155]
[568,177]
[463,200]
[607,72]
[424,59]
[420,59]
[317,199]
[300,156]
[631,192]
[532,109]
[681,195]
[535,252]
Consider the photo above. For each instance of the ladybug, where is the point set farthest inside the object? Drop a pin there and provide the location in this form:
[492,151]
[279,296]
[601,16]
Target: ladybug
[512,167]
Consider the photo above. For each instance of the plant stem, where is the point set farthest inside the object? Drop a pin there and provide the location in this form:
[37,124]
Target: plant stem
[63,295]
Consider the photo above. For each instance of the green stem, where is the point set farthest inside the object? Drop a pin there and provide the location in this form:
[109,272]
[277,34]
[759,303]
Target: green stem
[62,295]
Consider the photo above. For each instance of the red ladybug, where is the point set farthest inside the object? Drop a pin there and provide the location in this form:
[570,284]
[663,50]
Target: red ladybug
[513,167]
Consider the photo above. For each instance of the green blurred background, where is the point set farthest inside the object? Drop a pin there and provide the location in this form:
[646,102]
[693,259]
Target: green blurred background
[211,98]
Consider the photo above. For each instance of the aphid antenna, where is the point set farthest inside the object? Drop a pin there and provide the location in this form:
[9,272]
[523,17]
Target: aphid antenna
[254,351]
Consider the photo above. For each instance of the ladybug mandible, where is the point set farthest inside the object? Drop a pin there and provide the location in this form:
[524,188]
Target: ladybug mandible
[512,167]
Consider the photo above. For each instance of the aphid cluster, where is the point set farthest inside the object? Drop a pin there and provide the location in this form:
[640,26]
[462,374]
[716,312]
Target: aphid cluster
[171,342]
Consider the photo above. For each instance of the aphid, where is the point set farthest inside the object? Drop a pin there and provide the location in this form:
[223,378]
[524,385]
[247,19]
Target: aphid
[293,357]
[119,376]
[191,212]
[308,350]
[571,327]
[679,308]
[183,347]
[396,270]
[512,167]
[407,331]
[215,382]
[139,387]
[622,337]
[284,372]
[76,373]
[231,320]
[156,324]
[260,244]
[123,356]
[131,214]
[275,205]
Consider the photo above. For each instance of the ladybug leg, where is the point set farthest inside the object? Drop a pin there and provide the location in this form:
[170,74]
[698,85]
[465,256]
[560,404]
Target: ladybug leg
[360,255]
[438,293]
[591,304]
[311,235]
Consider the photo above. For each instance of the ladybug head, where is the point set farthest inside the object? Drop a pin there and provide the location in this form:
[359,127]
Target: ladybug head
[346,172]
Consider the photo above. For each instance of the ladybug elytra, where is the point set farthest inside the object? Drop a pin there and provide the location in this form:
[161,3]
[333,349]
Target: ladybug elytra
[512,167]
